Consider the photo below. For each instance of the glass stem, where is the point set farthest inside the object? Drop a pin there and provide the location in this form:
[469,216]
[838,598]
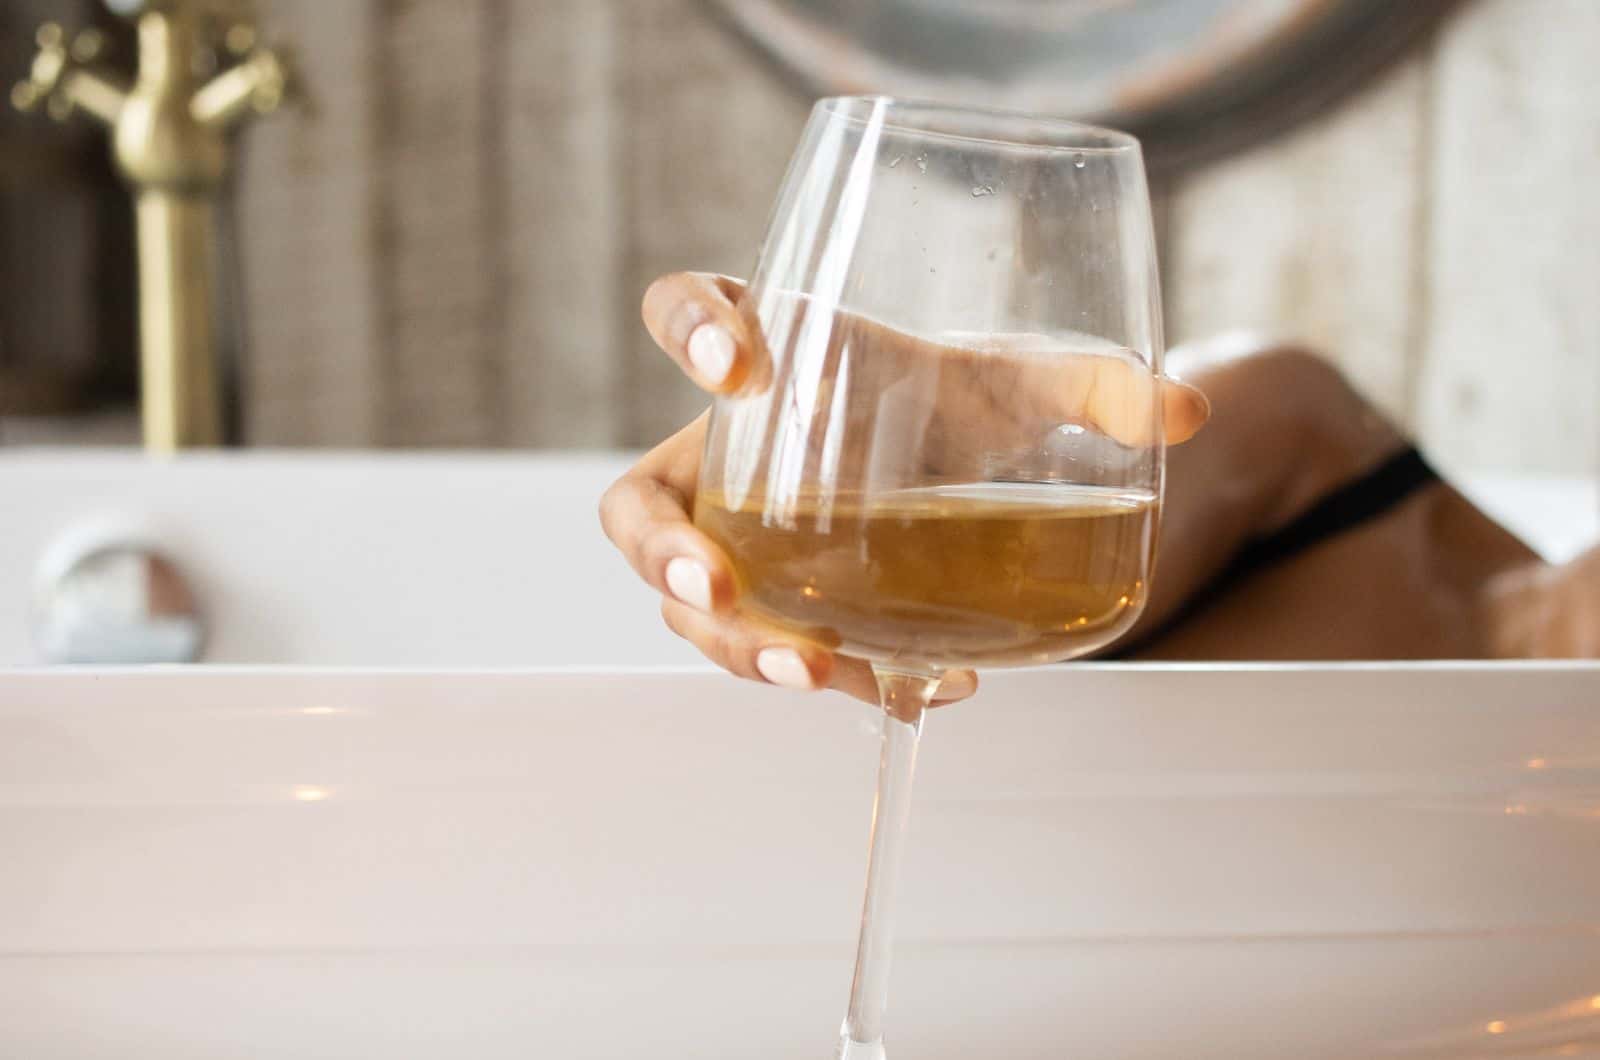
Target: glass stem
[904,695]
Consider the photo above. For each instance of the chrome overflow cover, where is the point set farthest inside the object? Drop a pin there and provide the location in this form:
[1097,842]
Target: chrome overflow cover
[110,597]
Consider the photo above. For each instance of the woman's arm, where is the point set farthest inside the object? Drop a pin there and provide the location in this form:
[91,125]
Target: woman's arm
[1286,431]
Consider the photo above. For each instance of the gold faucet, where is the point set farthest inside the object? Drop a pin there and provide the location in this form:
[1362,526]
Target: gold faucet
[170,138]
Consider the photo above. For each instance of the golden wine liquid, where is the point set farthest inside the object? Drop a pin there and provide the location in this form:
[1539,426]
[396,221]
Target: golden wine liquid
[948,575]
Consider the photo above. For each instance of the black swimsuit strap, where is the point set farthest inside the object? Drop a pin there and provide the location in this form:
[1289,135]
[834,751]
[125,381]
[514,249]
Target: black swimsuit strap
[1349,506]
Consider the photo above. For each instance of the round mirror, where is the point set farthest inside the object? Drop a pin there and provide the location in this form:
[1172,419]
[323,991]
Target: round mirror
[1192,78]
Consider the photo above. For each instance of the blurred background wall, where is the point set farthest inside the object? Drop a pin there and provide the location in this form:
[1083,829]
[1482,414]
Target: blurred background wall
[447,246]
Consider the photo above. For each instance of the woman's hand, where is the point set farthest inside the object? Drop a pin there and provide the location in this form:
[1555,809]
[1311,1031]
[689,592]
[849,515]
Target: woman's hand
[1538,611]
[695,319]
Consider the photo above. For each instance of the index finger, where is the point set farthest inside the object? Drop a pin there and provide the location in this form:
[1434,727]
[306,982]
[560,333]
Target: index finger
[694,318]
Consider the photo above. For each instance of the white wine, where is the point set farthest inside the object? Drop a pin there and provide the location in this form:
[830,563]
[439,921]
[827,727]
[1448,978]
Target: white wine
[984,573]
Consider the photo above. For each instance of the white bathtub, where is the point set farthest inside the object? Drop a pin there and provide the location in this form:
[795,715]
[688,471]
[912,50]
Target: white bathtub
[415,560]
[543,852]
[356,560]
[1106,862]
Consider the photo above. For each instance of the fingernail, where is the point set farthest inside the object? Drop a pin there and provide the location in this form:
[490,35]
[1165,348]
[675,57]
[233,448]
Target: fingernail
[690,582]
[783,666]
[711,352]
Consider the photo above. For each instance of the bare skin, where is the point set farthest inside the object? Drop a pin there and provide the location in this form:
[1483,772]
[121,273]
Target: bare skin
[1431,578]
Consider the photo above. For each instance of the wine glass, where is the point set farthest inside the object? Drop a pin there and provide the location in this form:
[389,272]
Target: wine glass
[950,452]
